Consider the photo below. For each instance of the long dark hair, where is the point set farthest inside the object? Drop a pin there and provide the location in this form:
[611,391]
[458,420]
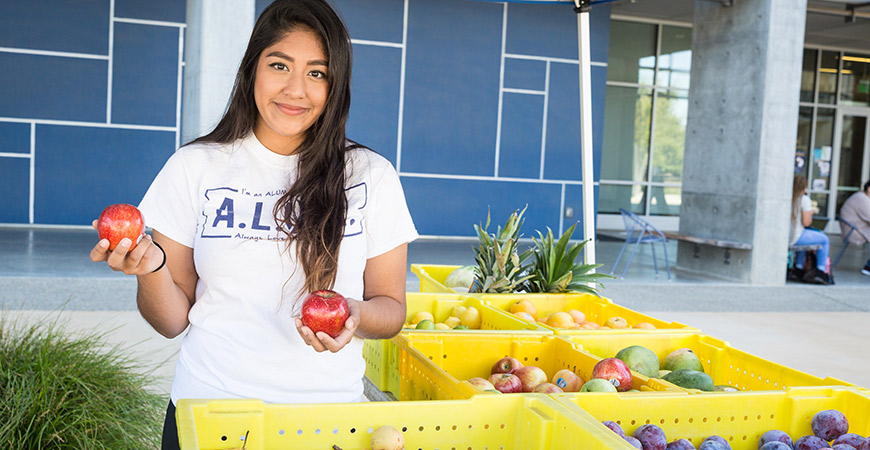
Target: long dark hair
[312,211]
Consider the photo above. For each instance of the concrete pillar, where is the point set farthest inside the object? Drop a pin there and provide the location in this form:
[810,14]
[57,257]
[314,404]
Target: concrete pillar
[740,137]
[216,38]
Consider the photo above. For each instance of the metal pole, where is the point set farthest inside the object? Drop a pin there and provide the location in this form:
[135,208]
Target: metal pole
[588,187]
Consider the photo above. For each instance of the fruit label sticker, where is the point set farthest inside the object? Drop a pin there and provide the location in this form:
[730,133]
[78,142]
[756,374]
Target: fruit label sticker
[238,213]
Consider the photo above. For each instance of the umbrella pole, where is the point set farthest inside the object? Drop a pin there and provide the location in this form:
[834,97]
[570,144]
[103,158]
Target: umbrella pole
[588,187]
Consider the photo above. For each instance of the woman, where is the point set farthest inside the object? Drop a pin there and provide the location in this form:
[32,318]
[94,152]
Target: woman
[802,217]
[273,204]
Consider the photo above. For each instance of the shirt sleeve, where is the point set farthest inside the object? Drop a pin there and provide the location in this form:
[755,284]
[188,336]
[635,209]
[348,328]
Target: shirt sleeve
[168,203]
[806,204]
[389,221]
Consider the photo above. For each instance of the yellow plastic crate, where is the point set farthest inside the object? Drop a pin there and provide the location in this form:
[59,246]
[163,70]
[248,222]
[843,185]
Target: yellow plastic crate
[382,361]
[596,309]
[739,417]
[432,277]
[436,366]
[494,422]
[725,364]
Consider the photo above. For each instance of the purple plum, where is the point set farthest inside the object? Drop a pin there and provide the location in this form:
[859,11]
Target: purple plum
[633,441]
[775,445]
[775,436]
[680,444]
[842,447]
[829,424]
[850,439]
[865,445]
[615,427]
[810,443]
[719,440]
[651,437]
[712,445]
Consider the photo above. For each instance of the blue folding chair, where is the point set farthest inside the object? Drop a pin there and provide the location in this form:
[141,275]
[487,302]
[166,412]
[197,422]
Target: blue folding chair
[639,231]
[845,238]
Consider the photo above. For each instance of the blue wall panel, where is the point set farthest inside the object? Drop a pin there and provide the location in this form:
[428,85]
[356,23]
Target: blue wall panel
[522,124]
[599,88]
[144,74]
[451,87]
[525,74]
[14,190]
[50,87]
[14,138]
[450,207]
[562,160]
[542,30]
[374,109]
[81,170]
[79,26]
[574,199]
[163,10]
[374,20]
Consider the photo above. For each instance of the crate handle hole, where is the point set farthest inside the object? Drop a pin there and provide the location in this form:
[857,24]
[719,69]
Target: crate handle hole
[223,438]
[352,430]
[421,428]
[404,429]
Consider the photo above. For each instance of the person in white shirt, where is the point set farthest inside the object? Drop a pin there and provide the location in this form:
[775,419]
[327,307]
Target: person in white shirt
[802,217]
[856,211]
[274,203]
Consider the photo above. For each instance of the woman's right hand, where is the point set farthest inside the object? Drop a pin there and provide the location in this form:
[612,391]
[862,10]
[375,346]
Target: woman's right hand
[145,258]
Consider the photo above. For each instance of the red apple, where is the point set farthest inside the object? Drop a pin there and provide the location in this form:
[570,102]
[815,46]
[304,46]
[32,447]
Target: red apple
[614,371]
[531,376]
[567,380]
[121,221]
[506,383]
[506,365]
[481,384]
[325,311]
[547,388]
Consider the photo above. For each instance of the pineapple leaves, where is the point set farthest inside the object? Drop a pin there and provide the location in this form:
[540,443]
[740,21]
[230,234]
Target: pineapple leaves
[500,268]
[554,269]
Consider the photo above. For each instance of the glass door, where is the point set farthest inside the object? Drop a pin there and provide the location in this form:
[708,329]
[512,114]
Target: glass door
[852,144]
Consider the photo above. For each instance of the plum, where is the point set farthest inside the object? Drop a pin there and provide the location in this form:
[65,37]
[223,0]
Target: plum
[810,443]
[829,424]
[680,444]
[775,445]
[777,436]
[633,441]
[850,439]
[719,440]
[712,445]
[651,437]
[842,447]
[865,445]
[615,427]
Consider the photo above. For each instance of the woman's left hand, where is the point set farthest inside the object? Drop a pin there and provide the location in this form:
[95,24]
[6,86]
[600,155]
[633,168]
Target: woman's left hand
[322,341]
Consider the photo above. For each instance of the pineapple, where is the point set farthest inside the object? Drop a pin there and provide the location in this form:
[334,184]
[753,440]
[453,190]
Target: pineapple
[554,269]
[500,268]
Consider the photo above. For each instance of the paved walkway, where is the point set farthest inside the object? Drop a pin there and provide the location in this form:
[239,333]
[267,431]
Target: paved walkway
[821,330]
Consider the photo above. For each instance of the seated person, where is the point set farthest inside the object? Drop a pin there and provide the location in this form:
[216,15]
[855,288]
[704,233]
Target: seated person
[802,217]
[856,211]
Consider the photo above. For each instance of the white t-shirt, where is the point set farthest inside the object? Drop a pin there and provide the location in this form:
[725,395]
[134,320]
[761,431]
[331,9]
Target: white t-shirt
[242,340]
[797,226]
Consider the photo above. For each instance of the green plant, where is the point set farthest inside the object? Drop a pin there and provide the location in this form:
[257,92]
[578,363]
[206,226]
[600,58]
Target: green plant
[554,269]
[500,267]
[60,391]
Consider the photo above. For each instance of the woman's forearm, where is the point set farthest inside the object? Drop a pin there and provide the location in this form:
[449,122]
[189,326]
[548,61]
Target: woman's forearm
[162,303]
[381,317]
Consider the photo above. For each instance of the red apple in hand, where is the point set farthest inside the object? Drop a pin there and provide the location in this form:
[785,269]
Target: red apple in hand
[614,371]
[121,221]
[325,311]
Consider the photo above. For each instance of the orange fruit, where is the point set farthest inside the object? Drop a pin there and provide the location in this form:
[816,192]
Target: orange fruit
[524,315]
[644,326]
[524,305]
[588,325]
[616,322]
[578,316]
[560,319]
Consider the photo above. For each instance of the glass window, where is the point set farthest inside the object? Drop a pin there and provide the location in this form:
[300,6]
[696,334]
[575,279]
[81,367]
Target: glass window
[672,107]
[665,201]
[802,148]
[820,204]
[611,197]
[851,150]
[820,160]
[626,133]
[828,77]
[856,80]
[808,75]
[675,58]
[632,52]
